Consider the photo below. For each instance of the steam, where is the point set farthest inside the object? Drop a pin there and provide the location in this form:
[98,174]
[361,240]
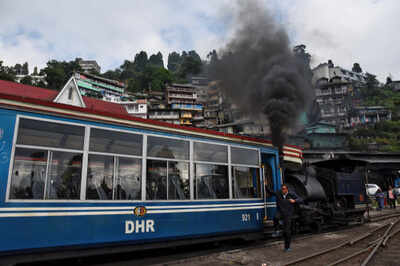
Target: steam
[260,74]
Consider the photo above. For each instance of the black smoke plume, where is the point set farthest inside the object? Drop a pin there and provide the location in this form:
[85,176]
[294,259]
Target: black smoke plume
[260,73]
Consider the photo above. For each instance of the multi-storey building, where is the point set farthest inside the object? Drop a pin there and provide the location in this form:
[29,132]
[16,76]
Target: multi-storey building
[182,98]
[99,87]
[136,108]
[36,79]
[89,66]
[335,91]
[328,71]
[369,115]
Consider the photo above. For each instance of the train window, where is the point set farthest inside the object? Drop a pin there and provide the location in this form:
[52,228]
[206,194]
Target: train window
[167,180]
[211,181]
[28,174]
[100,176]
[167,148]
[178,180]
[115,142]
[245,182]
[128,181]
[64,178]
[244,156]
[156,180]
[48,134]
[208,152]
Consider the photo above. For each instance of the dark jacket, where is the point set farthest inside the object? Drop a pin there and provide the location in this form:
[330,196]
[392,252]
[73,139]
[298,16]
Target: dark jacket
[283,204]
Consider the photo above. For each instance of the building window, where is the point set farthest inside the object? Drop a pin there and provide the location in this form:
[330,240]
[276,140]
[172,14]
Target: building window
[70,94]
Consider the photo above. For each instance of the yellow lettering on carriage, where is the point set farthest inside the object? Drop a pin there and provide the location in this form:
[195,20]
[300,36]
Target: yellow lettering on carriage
[139,226]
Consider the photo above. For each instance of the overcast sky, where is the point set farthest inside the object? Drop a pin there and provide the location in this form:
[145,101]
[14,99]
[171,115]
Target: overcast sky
[364,31]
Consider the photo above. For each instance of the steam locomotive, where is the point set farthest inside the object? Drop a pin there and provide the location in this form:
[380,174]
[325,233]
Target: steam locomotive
[333,192]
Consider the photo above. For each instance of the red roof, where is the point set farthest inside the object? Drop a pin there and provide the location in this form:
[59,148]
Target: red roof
[40,96]
[26,91]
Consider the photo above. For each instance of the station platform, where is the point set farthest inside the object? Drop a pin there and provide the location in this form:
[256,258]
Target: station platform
[271,253]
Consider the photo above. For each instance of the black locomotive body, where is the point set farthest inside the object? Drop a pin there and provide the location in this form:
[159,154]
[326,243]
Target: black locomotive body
[333,192]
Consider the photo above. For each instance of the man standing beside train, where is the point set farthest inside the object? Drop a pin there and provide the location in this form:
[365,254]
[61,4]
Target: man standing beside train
[285,202]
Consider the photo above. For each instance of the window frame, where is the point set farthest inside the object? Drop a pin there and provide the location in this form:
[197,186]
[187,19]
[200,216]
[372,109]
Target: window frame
[49,150]
[231,165]
[137,131]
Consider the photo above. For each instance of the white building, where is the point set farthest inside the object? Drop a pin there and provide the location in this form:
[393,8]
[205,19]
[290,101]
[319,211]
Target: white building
[326,72]
[136,108]
[35,79]
[89,65]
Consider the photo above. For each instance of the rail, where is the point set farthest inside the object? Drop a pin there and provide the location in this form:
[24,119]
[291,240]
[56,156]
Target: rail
[372,247]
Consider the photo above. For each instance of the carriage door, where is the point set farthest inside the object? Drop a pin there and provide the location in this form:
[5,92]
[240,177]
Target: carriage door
[270,174]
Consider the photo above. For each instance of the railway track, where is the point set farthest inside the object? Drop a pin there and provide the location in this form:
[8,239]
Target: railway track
[379,246]
[192,253]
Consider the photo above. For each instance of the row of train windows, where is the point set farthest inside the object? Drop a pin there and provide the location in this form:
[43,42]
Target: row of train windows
[42,174]
[56,135]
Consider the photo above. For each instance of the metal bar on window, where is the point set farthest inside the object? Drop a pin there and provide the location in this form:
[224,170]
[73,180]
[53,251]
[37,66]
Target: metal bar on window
[115,174]
[230,172]
[48,174]
[11,165]
[115,154]
[47,148]
[167,180]
[85,159]
[144,170]
[191,171]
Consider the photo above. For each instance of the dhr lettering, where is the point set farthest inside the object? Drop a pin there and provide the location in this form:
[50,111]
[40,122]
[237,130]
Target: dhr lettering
[139,226]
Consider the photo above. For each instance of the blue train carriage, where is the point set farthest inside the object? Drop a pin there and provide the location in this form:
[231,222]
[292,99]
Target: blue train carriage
[82,176]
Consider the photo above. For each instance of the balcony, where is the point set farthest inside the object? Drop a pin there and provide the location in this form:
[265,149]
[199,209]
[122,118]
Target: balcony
[186,115]
[181,106]
[186,122]
[164,116]
[185,101]
[198,118]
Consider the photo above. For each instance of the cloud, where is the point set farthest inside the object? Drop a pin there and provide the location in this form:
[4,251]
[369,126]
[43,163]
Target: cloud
[363,31]
[108,31]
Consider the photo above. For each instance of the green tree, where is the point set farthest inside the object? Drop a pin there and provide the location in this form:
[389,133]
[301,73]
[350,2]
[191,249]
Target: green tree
[153,78]
[300,52]
[6,73]
[156,60]
[191,64]
[371,80]
[18,69]
[112,74]
[356,68]
[174,61]
[25,69]
[127,70]
[35,71]
[140,62]
[210,66]
[58,73]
